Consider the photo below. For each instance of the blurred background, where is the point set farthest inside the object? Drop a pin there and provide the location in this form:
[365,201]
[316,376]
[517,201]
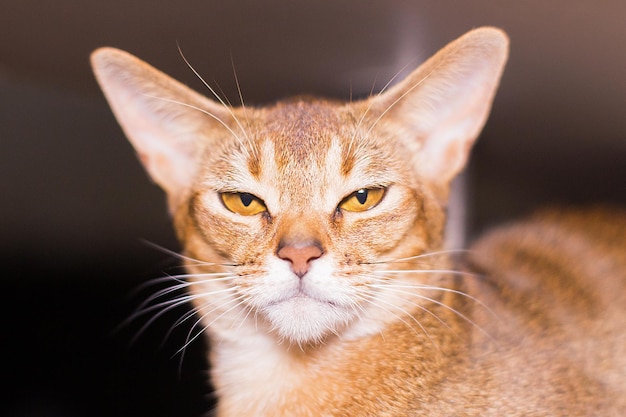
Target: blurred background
[76,207]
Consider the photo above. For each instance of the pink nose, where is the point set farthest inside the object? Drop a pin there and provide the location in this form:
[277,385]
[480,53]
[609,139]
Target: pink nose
[300,256]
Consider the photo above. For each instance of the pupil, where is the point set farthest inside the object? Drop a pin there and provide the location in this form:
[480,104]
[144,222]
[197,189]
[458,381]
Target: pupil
[361,195]
[246,199]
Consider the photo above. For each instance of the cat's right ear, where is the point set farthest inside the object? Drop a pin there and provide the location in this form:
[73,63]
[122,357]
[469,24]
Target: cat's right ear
[165,121]
[440,108]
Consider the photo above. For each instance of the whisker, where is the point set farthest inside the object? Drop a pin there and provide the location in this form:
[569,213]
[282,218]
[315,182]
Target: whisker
[371,103]
[227,102]
[150,283]
[374,83]
[398,289]
[190,338]
[184,298]
[193,312]
[145,307]
[375,303]
[189,314]
[396,101]
[419,257]
[361,309]
[211,115]
[243,320]
[180,279]
[382,283]
[217,96]
[179,255]
[429,254]
[166,306]
[161,293]
[432,288]
[241,101]
[426,271]
[163,309]
[396,75]
[424,309]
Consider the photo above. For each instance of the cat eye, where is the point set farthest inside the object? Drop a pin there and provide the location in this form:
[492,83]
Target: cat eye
[362,200]
[244,204]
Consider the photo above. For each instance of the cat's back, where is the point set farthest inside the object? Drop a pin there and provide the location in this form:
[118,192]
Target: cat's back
[573,260]
[555,285]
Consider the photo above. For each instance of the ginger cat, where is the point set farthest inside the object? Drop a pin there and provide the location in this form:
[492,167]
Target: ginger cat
[313,234]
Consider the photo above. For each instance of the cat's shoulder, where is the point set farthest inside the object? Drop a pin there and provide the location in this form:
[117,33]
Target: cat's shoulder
[561,231]
[555,288]
[573,258]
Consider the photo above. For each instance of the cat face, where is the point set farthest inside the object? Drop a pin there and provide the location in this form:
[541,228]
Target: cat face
[304,205]
[298,218]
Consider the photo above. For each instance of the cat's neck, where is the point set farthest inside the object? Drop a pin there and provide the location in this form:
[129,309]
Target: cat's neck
[254,375]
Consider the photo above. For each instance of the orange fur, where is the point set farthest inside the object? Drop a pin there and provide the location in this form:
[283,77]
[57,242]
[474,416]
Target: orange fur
[319,308]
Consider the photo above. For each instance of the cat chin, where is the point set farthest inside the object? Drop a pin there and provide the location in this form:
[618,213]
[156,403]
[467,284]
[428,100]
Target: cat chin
[304,320]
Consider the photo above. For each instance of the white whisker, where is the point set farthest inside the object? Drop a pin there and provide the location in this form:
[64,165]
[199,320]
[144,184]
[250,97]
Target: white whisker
[243,320]
[179,255]
[396,101]
[425,271]
[401,289]
[184,284]
[422,308]
[208,113]
[241,101]
[371,103]
[190,339]
[217,96]
[370,299]
[428,287]
[445,252]
[166,306]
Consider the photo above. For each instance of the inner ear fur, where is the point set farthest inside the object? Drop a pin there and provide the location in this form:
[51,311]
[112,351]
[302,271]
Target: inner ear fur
[439,109]
[167,123]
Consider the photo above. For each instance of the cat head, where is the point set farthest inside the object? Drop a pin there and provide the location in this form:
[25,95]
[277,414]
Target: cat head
[293,211]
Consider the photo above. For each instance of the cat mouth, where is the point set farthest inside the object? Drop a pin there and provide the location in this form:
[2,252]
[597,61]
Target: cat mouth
[302,295]
[301,317]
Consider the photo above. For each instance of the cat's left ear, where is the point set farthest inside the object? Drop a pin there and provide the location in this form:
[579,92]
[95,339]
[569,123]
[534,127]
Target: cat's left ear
[167,123]
[440,108]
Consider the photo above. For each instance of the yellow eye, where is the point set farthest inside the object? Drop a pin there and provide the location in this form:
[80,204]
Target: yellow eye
[245,204]
[362,200]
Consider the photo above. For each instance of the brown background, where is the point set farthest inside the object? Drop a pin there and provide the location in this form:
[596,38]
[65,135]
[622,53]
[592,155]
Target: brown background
[76,204]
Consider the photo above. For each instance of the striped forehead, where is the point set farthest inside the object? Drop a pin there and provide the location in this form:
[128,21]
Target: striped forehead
[307,149]
[322,183]
[299,169]
[302,130]
[298,136]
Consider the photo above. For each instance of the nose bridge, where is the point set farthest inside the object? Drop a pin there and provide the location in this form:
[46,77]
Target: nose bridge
[300,242]
[300,230]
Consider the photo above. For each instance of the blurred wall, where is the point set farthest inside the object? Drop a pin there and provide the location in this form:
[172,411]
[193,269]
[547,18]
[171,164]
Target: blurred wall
[76,206]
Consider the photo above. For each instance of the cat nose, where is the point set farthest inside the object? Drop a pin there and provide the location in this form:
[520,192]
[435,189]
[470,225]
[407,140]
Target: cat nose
[300,255]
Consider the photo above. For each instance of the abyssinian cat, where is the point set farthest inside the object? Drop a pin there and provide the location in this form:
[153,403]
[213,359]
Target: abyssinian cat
[313,240]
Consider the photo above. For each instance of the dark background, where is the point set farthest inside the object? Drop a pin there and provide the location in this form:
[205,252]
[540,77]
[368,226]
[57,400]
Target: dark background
[76,207]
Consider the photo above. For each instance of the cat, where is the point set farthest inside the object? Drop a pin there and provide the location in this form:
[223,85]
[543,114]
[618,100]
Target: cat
[313,236]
